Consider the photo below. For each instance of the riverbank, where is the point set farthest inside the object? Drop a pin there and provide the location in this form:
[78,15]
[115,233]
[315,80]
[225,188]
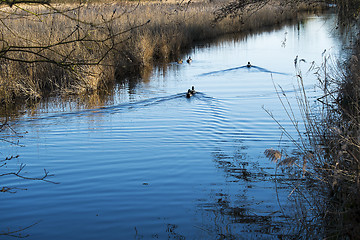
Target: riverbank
[343,155]
[76,49]
[328,156]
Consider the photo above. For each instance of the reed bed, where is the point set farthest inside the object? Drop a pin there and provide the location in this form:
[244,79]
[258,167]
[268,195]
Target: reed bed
[328,151]
[343,151]
[80,48]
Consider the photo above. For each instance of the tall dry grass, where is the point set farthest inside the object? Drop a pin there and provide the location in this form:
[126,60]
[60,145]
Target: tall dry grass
[80,48]
[343,151]
[328,150]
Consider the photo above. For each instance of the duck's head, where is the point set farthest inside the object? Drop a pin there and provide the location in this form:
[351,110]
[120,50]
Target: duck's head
[188,94]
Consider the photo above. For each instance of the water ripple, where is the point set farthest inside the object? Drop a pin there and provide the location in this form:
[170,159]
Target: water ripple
[256,68]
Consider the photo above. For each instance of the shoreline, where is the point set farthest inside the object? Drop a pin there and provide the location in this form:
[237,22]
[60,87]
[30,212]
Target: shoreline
[161,38]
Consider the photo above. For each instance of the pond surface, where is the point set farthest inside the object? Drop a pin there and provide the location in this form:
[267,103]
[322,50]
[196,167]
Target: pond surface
[153,164]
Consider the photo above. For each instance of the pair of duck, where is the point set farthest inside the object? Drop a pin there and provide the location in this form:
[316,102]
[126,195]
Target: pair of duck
[189,60]
[190,92]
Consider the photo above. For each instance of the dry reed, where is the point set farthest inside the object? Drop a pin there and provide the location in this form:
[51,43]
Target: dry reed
[82,48]
[329,149]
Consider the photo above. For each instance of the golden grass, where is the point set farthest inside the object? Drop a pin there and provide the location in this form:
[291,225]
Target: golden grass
[87,46]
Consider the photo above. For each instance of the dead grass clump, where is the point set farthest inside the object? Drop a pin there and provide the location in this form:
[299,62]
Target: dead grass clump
[90,78]
[145,47]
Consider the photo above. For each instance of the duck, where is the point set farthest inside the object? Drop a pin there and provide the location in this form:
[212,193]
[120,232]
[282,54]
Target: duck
[193,90]
[248,65]
[189,94]
[180,61]
[189,60]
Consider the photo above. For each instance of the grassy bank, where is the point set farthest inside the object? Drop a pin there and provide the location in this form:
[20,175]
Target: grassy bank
[74,49]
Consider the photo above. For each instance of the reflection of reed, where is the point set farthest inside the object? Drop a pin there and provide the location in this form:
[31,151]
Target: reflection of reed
[237,215]
[170,233]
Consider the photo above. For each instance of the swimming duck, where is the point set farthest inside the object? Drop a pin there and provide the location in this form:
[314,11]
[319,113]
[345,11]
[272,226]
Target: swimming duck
[189,60]
[180,61]
[248,65]
[189,94]
[192,90]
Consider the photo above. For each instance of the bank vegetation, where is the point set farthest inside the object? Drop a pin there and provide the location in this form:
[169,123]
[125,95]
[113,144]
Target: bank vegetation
[328,145]
[77,48]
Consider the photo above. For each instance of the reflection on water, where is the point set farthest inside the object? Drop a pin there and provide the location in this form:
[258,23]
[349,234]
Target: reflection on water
[145,162]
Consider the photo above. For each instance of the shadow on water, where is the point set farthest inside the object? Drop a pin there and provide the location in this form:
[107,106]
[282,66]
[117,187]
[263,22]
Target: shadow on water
[250,69]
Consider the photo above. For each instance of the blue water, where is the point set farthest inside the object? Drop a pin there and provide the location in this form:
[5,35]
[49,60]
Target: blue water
[149,163]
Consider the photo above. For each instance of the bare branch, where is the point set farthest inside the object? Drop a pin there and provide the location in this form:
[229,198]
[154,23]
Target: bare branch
[13,2]
[17,233]
[236,7]
[18,174]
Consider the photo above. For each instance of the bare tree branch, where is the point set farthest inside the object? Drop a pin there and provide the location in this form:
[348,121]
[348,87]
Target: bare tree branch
[236,7]
[18,174]
[12,2]
[17,233]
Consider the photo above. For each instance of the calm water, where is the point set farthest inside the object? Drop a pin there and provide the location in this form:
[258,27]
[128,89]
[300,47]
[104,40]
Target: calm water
[152,164]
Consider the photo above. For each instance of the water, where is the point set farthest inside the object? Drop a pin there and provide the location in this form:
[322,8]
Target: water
[152,164]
